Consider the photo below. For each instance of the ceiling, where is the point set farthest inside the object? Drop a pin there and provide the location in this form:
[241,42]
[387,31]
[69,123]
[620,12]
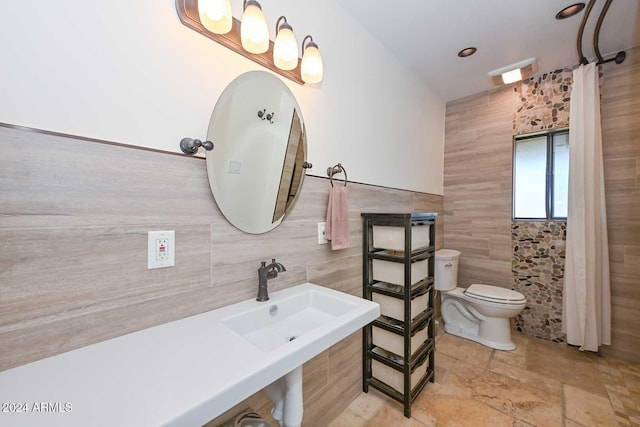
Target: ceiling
[426,35]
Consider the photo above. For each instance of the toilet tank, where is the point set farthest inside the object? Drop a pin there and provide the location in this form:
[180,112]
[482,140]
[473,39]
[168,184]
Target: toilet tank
[447,269]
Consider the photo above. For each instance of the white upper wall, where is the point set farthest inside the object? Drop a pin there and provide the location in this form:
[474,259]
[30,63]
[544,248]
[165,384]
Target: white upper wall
[129,71]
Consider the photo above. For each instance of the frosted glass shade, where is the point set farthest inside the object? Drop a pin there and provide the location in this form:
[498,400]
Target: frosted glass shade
[285,50]
[311,68]
[512,76]
[215,15]
[253,29]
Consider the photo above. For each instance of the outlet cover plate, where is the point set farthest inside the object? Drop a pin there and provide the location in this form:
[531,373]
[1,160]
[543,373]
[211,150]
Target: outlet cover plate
[161,251]
[322,226]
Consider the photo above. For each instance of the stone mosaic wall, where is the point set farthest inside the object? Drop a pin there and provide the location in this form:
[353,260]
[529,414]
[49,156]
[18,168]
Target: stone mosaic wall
[538,247]
[543,102]
[538,273]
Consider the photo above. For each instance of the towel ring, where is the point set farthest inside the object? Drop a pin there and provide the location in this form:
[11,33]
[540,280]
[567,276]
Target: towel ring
[337,169]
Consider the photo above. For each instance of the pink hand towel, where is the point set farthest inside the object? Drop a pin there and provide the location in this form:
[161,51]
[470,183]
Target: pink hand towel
[337,230]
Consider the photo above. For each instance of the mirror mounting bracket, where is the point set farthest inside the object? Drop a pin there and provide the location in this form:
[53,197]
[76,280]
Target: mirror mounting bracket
[190,146]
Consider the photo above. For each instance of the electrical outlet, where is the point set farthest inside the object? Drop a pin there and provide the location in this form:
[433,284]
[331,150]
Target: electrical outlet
[161,249]
[322,226]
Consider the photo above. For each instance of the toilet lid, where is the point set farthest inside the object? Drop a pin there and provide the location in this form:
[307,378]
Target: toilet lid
[495,294]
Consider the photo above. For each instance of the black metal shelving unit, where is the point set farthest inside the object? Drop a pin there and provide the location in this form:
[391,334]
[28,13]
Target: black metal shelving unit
[409,291]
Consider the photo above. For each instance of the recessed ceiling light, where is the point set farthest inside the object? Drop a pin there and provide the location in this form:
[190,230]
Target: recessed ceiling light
[468,51]
[570,11]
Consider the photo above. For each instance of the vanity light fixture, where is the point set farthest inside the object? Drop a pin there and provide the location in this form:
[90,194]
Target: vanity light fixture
[253,30]
[215,15]
[285,48]
[311,68]
[251,35]
[514,72]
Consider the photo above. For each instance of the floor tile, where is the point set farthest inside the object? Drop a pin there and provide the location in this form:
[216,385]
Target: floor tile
[391,416]
[539,384]
[368,404]
[459,411]
[444,362]
[571,423]
[509,396]
[587,408]
[465,350]
[348,419]
[565,364]
[510,358]
[520,423]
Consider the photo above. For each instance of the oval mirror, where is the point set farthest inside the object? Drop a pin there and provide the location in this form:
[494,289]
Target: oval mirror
[256,167]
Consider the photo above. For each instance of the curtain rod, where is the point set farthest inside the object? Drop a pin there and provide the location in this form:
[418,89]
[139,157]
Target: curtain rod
[618,58]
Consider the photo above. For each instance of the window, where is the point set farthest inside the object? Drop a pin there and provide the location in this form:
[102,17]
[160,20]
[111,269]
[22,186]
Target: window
[541,176]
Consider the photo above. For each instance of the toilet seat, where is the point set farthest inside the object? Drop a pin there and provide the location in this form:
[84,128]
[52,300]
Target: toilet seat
[494,294]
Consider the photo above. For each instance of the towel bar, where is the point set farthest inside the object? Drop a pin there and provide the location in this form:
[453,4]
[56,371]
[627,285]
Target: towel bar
[337,169]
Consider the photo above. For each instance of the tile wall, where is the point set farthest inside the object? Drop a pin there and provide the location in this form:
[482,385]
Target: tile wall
[477,188]
[543,103]
[538,274]
[620,91]
[74,217]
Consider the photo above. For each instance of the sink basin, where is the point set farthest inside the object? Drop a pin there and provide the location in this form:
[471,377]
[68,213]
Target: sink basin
[187,372]
[297,324]
[272,324]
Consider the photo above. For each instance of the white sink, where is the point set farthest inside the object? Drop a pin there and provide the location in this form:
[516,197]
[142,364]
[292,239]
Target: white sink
[297,323]
[187,372]
[279,321]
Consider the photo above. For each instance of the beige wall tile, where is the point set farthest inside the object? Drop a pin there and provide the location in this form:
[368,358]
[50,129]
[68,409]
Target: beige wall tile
[477,186]
[620,109]
[48,271]
[73,248]
[55,181]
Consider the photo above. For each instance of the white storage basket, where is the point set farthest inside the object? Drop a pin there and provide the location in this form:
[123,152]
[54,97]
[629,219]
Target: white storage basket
[394,378]
[394,307]
[392,238]
[393,272]
[395,343]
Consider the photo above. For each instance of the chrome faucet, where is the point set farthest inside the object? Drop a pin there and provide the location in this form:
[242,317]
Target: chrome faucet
[266,272]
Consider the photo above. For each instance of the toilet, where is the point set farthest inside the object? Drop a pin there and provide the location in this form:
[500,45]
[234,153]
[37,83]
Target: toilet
[480,312]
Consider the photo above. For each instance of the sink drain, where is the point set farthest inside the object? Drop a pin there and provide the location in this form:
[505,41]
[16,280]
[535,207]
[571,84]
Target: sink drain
[291,338]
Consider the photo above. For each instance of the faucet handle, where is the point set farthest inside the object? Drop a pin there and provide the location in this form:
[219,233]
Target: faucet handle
[273,260]
[263,264]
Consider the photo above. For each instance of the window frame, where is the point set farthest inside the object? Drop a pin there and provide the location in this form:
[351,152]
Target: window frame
[549,176]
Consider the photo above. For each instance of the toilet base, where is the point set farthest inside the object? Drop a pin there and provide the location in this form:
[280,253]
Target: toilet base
[462,333]
[463,320]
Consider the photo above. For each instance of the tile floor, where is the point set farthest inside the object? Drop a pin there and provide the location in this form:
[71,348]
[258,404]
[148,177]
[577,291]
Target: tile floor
[539,384]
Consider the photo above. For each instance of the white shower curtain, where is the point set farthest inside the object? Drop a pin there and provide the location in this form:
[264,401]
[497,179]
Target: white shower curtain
[587,300]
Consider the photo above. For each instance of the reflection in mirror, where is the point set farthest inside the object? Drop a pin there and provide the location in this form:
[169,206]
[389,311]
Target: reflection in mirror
[256,170]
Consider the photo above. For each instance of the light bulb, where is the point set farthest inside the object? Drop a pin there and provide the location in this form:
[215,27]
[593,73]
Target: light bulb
[512,76]
[285,48]
[215,15]
[311,67]
[253,29]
